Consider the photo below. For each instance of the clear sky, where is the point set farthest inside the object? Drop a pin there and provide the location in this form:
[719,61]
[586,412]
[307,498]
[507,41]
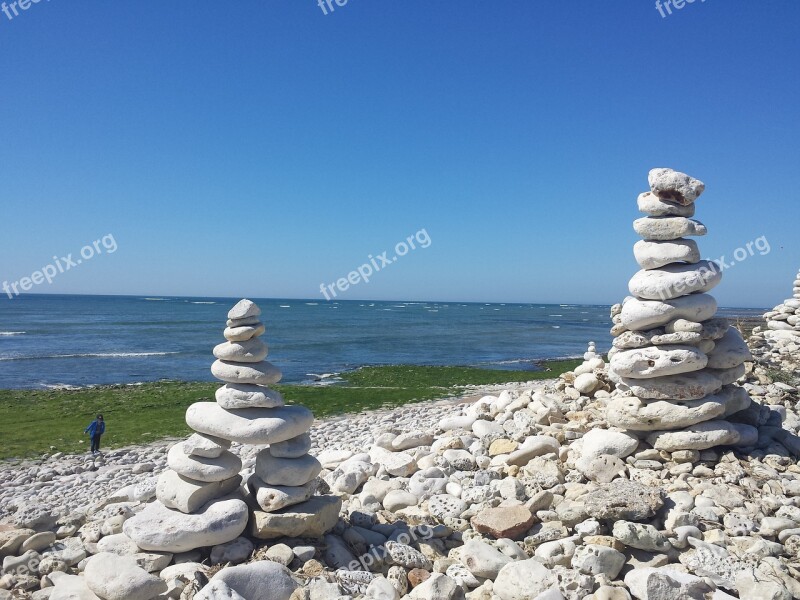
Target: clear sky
[263,147]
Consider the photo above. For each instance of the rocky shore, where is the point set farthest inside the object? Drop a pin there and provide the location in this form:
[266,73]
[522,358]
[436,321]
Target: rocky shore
[669,472]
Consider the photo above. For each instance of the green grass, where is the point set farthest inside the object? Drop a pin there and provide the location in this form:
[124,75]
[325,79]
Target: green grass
[33,421]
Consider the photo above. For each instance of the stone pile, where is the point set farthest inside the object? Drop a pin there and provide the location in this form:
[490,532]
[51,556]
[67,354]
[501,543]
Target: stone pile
[674,363]
[779,345]
[590,378]
[198,501]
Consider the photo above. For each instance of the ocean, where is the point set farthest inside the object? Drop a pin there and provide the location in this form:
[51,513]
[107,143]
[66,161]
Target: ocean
[51,341]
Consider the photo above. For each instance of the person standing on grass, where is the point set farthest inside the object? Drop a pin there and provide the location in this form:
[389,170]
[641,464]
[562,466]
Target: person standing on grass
[95,430]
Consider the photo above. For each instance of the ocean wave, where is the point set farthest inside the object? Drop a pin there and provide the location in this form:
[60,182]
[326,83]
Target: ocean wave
[89,355]
[156,299]
[202,302]
[9,333]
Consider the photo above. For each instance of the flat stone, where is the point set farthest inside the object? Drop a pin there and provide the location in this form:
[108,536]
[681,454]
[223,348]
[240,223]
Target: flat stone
[653,206]
[272,498]
[259,373]
[38,542]
[256,426]
[412,439]
[697,437]
[12,539]
[264,580]
[727,376]
[657,361]
[160,529]
[236,551]
[243,309]
[206,446]
[233,396]
[443,506]
[286,471]
[623,499]
[730,351]
[188,495]
[313,518]
[217,590]
[632,413]
[596,559]
[293,448]
[533,446]
[249,351]
[399,464]
[243,332]
[199,468]
[72,587]
[641,536]
[676,280]
[675,186]
[641,315]
[502,446]
[654,229]
[398,500]
[115,577]
[686,386]
[511,522]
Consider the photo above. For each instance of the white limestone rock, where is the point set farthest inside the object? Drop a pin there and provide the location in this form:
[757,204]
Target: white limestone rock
[654,229]
[249,351]
[205,445]
[199,468]
[641,315]
[676,280]
[286,471]
[243,333]
[114,577]
[653,206]
[160,529]
[697,437]
[653,255]
[265,580]
[257,426]
[188,495]
[675,186]
[258,373]
[686,386]
[244,309]
[233,396]
[293,448]
[271,498]
[657,361]
[730,351]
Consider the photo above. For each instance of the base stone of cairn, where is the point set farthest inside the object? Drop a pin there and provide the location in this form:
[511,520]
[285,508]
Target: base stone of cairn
[199,498]
[779,344]
[674,362]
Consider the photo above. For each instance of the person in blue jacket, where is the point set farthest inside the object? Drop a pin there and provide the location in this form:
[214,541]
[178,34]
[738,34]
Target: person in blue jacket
[95,430]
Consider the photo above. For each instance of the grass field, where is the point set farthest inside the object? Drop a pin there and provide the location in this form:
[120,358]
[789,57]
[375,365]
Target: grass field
[33,422]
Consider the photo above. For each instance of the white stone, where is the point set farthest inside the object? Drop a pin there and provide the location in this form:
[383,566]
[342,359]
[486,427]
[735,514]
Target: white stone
[217,590]
[586,383]
[686,386]
[243,332]
[674,281]
[730,351]
[205,445]
[653,255]
[259,373]
[188,495]
[286,471]
[523,580]
[233,396]
[293,448]
[264,580]
[657,361]
[160,529]
[481,559]
[399,464]
[199,468]
[243,309]
[653,229]
[597,442]
[653,206]
[675,186]
[697,437]
[115,577]
[257,426]
[537,445]
[412,439]
[271,498]
[641,315]
[249,351]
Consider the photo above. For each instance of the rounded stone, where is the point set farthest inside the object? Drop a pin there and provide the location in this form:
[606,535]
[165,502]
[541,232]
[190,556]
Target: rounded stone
[234,396]
[114,577]
[263,579]
[187,495]
[293,448]
[160,529]
[249,351]
[686,386]
[675,186]
[260,373]
[652,255]
[256,426]
[313,518]
[286,471]
[642,315]
[653,206]
[730,351]
[697,437]
[657,361]
[243,309]
[635,414]
[199,468]
[243,332]
[275,497]
[674,281]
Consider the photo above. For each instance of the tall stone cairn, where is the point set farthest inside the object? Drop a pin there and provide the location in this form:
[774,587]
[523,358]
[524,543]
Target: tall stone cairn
[673,362]
[779,344]
[200,500]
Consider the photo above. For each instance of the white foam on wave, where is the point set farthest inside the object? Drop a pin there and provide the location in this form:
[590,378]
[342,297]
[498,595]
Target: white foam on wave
[155,299]
[203,302]
[9,333]
[90,355]
[285,306]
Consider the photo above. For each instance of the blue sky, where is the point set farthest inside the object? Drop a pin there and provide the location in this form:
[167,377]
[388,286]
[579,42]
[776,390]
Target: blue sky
[263,148]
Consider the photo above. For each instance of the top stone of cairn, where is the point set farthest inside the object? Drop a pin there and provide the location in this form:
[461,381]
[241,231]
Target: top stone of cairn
[675,186]
[243,310]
